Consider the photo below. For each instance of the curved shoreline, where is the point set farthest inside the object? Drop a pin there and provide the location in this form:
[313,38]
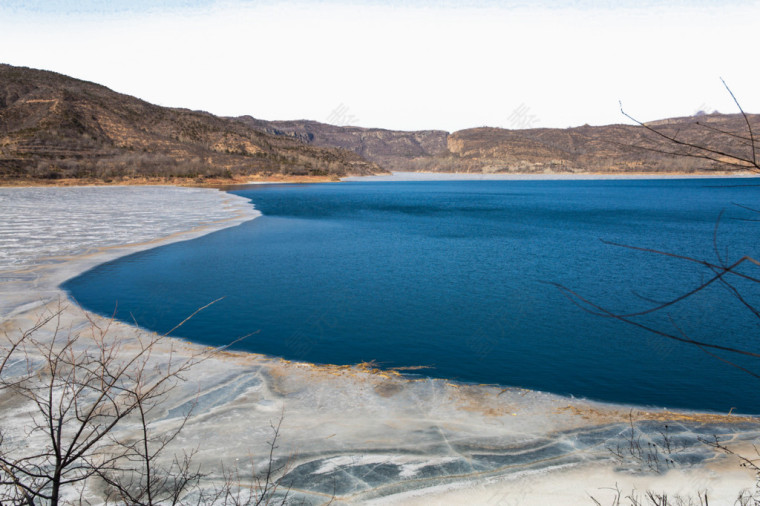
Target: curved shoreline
[344,421]
[50,271]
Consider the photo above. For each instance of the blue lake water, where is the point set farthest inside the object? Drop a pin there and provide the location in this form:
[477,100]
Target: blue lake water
[456,276]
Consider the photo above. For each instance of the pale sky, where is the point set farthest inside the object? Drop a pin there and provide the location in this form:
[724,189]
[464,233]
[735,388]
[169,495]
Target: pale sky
[402,65]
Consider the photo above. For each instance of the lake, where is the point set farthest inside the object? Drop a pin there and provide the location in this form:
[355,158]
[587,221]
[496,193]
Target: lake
[459,277]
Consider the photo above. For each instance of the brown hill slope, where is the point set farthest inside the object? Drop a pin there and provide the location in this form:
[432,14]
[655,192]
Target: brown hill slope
[54,126]
[586,149]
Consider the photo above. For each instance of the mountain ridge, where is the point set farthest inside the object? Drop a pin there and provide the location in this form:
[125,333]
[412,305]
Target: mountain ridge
[55,127]
[618,148]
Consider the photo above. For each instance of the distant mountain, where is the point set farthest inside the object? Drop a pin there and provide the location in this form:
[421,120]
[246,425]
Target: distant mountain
[53,126]
[394,150]
[585,149]
[611,148]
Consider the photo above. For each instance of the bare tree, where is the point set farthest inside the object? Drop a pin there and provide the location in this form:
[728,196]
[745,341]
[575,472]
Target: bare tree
[736,151]
[731,274]
[261,488]
[733,150]
[81,387]
[92,403]
[138,477]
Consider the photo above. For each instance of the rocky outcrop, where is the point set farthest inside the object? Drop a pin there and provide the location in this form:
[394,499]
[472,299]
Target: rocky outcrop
[396,150]
[611,148]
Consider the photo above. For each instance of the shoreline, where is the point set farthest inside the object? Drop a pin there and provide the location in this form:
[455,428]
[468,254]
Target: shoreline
[173,182]
[342,419]
[220,183]
[464,176]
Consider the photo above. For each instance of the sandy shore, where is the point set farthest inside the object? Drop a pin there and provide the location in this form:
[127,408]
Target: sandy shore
[359,434]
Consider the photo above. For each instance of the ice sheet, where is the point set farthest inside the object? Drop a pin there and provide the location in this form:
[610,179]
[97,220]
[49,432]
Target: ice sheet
[355,433]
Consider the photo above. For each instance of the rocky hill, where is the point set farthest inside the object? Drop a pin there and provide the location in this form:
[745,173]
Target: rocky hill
[585,149]
[392,149]
[53,126]
[611,148]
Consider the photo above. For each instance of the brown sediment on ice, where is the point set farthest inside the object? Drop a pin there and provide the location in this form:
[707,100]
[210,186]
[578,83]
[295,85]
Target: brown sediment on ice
[642,414]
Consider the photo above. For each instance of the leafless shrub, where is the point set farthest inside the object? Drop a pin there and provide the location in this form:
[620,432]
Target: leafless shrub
[260,488]
[739,153]
[643,454]
[650,498]
[78,390]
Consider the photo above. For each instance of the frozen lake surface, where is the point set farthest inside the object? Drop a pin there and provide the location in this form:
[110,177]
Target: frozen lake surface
[44,222]
[358,435]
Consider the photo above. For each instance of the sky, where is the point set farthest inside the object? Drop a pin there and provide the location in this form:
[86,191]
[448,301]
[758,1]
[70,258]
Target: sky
[409,65]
